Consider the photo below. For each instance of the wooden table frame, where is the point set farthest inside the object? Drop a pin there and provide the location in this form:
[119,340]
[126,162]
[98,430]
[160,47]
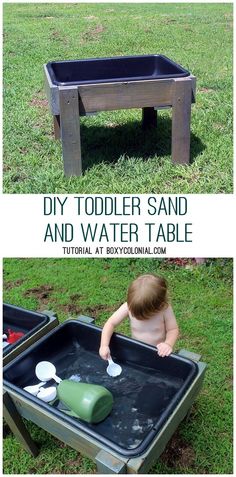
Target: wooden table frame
[68,103]
[107,461]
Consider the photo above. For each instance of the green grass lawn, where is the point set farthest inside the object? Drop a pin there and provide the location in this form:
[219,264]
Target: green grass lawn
[117,157]
[202,300]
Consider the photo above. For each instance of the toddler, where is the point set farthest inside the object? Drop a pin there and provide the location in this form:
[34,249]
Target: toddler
[152,319]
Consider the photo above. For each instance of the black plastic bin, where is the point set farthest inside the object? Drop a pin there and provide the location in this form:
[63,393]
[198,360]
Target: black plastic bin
[109,70]
[25,321]
[145,394]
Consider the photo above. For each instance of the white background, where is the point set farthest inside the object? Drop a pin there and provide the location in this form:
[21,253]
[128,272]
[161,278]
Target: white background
[211,215]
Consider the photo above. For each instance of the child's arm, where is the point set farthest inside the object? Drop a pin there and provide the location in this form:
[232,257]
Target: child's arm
[109,327]
[172,333]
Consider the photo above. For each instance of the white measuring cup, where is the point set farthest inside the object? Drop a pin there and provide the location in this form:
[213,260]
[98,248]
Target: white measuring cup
[113,369]
[34,389]
[47,394]
[45,371]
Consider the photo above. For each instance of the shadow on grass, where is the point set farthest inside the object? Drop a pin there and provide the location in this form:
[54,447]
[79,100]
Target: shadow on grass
[108,144]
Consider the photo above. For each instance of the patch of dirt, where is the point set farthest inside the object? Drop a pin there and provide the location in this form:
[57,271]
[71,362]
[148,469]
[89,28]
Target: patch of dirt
[218,126]
[41,293]
[6,168]
[194,177]
[40,125]
[188,28]
[184,262]
[72,463]
[61,444]
[107,266]
[71,308]
[229,383]
[206,90]
[97,30]
[39,100]
[77,296]
[33,470]
[90,17]
[169,20]
[193,411]
[18,177]
[40,464]
[178,453]
[93,33]
[39,103]
[95,310]
[92,311]
[23,150]
[71,467]
[56,35]
[10,285]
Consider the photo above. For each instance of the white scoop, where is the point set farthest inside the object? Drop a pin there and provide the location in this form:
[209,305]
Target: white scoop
[113,369]
[5,344]
[47,394]
[45,371]
[34,389]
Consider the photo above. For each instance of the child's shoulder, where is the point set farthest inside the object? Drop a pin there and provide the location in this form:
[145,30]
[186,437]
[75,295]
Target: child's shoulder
[167,309]
[123,309]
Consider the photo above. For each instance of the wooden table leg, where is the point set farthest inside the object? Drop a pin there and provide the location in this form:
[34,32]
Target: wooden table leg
[149,118]
[181,117]
[70,130]
[5,429]
[56,124]
[16,424]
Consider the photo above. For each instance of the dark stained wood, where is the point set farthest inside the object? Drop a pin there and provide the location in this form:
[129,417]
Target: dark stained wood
[108,464]
[56,124]
[17,426]
[181,117]
[70,130]
[75,101]
[126,95]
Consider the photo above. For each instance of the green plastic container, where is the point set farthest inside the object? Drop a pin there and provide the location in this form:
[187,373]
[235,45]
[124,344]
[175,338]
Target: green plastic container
[90,402]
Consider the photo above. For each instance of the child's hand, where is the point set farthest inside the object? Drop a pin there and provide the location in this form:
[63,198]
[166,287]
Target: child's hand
[164,349]
[104,352]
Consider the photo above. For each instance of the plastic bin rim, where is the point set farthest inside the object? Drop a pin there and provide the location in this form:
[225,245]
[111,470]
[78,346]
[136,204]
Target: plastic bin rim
[50,64]
[95,327]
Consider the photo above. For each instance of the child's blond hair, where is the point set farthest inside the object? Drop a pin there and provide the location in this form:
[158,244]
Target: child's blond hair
[146,296]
